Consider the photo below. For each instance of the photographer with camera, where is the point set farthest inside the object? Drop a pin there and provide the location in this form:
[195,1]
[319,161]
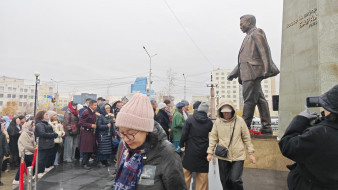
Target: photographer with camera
[313,145]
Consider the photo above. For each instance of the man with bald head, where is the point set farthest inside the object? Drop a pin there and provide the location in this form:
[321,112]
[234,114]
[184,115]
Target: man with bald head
[254,64]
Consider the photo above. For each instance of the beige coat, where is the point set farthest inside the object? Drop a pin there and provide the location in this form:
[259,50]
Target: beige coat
[58,128]
[26,143]
[221,134]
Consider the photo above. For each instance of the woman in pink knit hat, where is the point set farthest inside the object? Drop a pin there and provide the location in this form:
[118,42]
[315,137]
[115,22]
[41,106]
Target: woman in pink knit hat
[147,159]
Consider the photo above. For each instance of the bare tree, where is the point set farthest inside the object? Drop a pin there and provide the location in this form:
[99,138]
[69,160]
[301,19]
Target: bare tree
[10,109]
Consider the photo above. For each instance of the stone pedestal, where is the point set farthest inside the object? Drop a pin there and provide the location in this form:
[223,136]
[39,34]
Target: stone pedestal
[268,155]
[309,60]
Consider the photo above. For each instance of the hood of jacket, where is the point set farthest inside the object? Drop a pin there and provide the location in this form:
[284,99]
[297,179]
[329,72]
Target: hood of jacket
[223,103]
[200,116]
[102,109]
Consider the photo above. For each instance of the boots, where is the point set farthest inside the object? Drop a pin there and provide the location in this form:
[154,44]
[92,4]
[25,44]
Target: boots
[266,130]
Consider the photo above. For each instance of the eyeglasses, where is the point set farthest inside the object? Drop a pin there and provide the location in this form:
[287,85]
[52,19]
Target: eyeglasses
[129,136]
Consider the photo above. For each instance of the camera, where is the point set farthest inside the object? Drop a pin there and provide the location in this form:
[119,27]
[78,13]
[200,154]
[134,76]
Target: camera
[312,102]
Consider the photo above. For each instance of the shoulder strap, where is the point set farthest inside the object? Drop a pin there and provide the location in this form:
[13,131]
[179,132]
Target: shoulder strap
[232,132]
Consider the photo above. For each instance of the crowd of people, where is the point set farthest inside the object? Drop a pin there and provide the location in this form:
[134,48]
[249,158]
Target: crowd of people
[155,147]
[86,133]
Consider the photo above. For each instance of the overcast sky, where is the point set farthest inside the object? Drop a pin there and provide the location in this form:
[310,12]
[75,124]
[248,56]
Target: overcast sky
[90,45]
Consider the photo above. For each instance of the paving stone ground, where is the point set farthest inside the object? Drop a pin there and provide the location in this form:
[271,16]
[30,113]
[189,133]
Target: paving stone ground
[73,177]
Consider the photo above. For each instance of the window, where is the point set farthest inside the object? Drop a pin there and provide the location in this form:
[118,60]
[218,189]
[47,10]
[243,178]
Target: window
[13,95]
[266,86]
[217,78]
[223,96]
[228,96]
[32,91]
[228,82]
[222,73]
[234,86]
[234,96]
[266,96]
[14,89]
[234,91]
[25,104]
[1,103]
[20,104]
[9,95]
[223,86]
[234,82]
[228,86]
[21,96]
[216,73]
[25,96]
[266,91]
[2,88]
[223,91]
[1,95]
[265,81]
[222,82]
[25,90]
[9,89]
[222,78]
[234,101]
[21,90]
[228,91]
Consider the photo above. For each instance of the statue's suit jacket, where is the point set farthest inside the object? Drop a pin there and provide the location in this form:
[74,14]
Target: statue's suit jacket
[254,58]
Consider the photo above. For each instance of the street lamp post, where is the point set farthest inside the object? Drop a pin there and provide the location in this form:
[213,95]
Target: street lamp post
[185,86]
[150,56]
[37,81]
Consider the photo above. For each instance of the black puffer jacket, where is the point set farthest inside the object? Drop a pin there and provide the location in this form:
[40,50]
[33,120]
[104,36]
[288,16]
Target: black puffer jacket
[46,134]
[163,119]
[315,151]
[162,167]
[195,139]
[103,136]
[4,148]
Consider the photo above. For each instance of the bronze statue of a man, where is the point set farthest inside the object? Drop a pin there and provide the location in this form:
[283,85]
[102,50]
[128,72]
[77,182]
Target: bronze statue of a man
[254,65]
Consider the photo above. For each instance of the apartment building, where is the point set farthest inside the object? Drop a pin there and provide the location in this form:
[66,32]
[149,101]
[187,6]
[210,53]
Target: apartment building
[15,90]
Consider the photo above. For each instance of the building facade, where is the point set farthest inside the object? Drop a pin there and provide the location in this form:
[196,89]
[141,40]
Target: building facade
[15,90]
[233,90]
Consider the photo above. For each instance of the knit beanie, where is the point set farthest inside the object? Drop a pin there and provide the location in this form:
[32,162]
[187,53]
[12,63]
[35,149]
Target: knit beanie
[137,114]
[51,114]
[161,105]
[329,100]
[185,102]
[203,107]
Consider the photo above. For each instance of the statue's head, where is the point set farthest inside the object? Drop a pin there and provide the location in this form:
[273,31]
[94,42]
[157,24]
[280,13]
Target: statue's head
[247,22]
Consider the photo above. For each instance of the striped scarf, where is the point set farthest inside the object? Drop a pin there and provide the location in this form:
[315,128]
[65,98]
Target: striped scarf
[130,169]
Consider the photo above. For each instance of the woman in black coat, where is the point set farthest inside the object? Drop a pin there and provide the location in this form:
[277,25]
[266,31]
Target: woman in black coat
[104,134]
[163,118]
[314,148]
[14,132]
[46,136]
[195,139]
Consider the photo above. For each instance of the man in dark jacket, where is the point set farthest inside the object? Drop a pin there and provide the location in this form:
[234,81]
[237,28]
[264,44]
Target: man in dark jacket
[4,148]
[87,133]
[162,118]
[85,106]
[313,148]
[195,140]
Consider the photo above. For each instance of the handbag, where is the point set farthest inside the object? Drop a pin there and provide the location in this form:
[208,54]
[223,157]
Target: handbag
[222,151]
